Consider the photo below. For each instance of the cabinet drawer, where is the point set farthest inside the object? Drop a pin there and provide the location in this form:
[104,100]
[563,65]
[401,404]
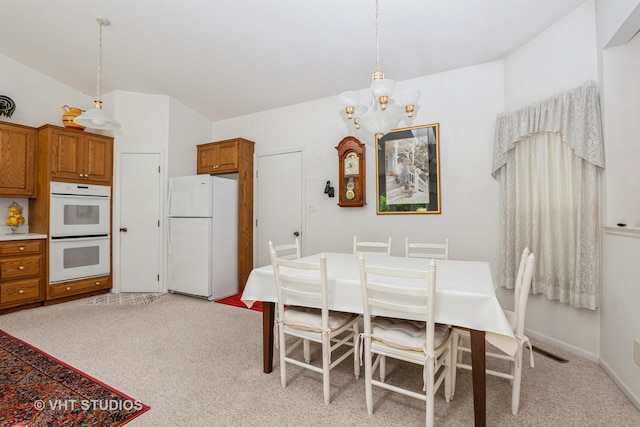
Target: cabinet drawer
[17,268]
[20,291]
[59,290]
[19,247]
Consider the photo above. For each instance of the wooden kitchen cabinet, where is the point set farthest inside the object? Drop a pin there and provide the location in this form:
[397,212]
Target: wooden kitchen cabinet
[86,287]
[76,156]
[17,160]
[22,266]
[218,157]
[235,156]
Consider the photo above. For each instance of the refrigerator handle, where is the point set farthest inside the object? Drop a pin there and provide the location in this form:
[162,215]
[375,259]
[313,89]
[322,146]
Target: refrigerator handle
[169,199]
[169,251]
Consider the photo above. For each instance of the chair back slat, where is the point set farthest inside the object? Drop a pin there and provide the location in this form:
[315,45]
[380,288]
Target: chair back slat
[426,250]
[361,247]
[289,250]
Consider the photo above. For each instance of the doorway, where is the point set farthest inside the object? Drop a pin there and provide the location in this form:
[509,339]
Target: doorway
[279,200]
[138,232]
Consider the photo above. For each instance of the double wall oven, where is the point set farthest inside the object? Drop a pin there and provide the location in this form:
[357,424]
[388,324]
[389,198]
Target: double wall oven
[79,229]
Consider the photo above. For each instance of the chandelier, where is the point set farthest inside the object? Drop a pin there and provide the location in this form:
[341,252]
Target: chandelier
[383,113]
[97,118]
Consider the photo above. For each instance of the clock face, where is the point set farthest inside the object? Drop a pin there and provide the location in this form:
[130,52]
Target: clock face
[351,164]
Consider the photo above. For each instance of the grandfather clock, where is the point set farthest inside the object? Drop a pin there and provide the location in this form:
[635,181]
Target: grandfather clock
[352,180]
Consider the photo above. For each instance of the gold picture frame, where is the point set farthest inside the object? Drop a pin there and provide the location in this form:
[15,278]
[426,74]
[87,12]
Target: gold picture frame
[408,171]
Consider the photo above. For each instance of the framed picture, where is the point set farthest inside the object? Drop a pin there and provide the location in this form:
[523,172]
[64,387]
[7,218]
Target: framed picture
[408,171]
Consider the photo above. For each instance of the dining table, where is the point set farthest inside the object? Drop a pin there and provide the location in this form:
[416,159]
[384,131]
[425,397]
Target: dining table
[465,297]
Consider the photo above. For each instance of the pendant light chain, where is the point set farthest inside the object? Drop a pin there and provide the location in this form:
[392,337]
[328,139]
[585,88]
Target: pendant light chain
[99,61]
[378,73]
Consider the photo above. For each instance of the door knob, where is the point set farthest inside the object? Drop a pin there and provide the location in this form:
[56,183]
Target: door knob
[296,233]
[123,229]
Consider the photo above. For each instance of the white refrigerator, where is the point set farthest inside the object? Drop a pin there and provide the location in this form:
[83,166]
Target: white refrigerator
[202,234]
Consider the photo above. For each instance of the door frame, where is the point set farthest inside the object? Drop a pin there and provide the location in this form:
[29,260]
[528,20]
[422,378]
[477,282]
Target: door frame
[117,203]
[303,195]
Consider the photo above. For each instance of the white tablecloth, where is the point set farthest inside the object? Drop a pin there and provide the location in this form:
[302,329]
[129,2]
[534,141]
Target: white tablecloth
[465,292]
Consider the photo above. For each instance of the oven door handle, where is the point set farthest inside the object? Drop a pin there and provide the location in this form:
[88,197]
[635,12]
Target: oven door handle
[79,238]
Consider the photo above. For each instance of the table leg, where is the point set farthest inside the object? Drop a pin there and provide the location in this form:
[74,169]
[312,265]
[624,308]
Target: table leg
[479,377]
[268,317]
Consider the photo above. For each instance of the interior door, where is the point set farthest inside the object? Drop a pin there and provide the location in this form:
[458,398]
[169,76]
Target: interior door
[279,201]
[139,231]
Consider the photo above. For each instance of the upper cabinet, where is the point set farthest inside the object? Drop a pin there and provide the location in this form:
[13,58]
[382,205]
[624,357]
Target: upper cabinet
[17,160]
[218,157]
[76,156]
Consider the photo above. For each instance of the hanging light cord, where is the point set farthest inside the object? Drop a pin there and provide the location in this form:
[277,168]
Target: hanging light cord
[99,61]
[378,73]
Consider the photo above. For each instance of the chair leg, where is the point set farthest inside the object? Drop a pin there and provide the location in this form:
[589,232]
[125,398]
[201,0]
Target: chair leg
[306,346]
[356,361]
[368,389]
[430,386]
[283,354]
[326,362]
[448,394]
[455,340]
[517,379]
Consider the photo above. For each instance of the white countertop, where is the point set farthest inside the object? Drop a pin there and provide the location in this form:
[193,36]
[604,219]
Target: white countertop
[21,236]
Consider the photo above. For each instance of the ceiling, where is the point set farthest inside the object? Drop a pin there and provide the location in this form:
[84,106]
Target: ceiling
[227,58]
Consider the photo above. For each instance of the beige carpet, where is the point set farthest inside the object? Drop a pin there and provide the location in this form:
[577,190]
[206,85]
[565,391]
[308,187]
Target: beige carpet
[197,363]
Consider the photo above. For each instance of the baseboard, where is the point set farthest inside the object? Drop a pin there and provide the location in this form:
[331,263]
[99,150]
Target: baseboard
[621,385]
[595,358]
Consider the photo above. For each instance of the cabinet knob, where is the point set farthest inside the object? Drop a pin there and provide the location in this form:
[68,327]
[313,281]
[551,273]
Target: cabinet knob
[68,288]
[21,248]
[21,268]
[86,175]
[97,283]
[21,291]
[80,175]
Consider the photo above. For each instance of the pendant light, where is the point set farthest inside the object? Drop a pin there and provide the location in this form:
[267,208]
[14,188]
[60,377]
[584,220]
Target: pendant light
[97,118]
[382,113]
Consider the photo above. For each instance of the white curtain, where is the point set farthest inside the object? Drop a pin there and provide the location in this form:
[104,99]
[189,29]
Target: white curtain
[547,158]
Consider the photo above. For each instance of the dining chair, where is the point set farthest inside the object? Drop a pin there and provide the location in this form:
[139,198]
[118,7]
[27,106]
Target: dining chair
[289,250]
[516,320]
[388,335]
[371,247]
[300,286]
[426,250]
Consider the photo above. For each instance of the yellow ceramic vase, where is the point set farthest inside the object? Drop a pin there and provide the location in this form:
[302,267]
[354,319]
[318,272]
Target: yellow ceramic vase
[70,113]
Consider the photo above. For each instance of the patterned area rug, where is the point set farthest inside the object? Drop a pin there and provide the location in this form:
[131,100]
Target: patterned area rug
[124,298]
[39,390]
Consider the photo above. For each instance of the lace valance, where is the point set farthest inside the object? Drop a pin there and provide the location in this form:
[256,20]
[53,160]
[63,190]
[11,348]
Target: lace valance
[575,114]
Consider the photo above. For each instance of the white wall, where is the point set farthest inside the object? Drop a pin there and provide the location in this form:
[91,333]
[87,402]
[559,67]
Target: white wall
[38,98]
[186,130]
[464,102]
[620,318]
[561,58]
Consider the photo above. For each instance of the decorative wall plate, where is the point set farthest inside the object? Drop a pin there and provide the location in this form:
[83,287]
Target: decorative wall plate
[7,106]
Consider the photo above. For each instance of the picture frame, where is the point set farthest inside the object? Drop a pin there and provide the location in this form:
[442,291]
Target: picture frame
[408,171]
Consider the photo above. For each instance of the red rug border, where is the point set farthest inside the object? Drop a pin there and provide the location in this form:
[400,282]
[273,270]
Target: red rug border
[238,303]
[144,409]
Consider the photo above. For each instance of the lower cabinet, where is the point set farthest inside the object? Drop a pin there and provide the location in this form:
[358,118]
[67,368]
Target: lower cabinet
[21,273]
[77,287]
